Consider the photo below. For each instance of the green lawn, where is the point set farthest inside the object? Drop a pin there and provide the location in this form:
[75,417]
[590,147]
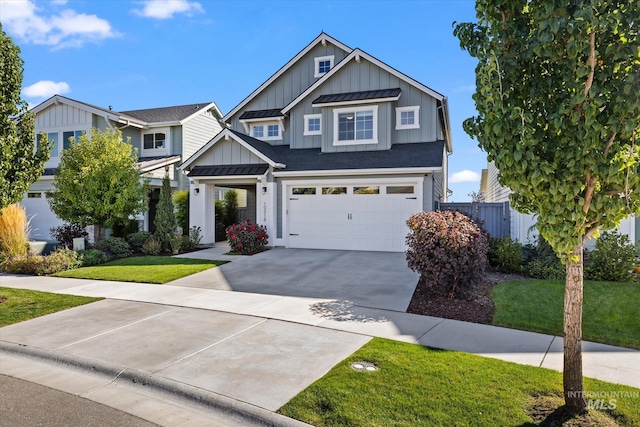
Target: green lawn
[144,269]
[21,304]
[611,311]
[419,386]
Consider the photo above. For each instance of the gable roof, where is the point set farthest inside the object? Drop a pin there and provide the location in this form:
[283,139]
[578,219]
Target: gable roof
[322,38]
[175,114]
[108,114]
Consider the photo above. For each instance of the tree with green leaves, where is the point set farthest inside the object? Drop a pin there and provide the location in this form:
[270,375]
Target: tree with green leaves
[559,114]
[165,221]
[20,164]
[98,182]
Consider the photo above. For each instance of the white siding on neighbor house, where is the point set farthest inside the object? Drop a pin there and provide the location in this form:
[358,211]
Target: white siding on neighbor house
[57,116]
[227,153]
[197,132]
[495,191]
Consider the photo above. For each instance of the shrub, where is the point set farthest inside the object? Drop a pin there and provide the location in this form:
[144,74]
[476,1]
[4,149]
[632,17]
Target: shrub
[230,207]
[221,215]
[137,239]
[175,242]
[181,202]
[542,262]
[191,241]
[93,257]
[152,246]
[116,247]
[65,234]
[505,254]
[165,220]
[613,259]
[246,238]
[60,260]
[448,249]
[14,231]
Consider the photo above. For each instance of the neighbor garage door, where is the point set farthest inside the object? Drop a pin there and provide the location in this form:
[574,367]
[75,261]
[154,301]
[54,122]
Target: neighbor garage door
[40,215]
[368,217]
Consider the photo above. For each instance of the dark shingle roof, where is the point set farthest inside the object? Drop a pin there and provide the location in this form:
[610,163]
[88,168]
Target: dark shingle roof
[166,114]
[261,114]
[357,96]
[228,170]
[261,146]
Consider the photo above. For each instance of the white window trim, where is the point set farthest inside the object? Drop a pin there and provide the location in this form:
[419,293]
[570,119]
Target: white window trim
[330,58]
[266,125]
[60,130]
[338,111]
[156,151]
[308,117]
[416,116]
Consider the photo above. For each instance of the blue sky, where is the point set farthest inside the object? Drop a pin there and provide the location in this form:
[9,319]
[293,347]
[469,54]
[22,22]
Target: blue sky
[154,53]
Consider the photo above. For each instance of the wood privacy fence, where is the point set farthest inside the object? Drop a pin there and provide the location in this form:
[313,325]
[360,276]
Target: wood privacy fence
[495,217]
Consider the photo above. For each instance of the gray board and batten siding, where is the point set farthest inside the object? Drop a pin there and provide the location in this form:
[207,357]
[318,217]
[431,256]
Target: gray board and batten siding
[200,128]
[496,217]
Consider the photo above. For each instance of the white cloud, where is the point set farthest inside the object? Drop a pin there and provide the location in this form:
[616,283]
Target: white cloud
[468,88]
[25,20]
[165,9]
[465,176]
[45,89]
[59,2]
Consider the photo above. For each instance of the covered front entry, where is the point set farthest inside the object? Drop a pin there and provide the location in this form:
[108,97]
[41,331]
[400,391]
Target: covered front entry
[368,216]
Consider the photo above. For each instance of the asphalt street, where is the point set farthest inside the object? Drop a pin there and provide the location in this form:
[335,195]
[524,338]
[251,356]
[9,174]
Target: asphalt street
[25,404]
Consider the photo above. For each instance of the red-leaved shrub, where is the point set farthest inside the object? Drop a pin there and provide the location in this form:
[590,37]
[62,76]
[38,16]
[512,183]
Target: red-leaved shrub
[246,238]
[448,249]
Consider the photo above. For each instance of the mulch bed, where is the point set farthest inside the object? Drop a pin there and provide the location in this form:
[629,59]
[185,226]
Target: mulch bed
[476,306]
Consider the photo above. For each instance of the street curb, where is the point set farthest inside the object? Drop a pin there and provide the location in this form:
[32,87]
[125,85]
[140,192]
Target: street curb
[236,410]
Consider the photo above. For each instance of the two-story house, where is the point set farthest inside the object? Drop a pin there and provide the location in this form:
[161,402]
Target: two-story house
[163,137]
[335,150]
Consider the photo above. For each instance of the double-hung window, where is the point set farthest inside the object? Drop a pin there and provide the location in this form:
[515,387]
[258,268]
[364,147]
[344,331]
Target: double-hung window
[357,125]
[66,137]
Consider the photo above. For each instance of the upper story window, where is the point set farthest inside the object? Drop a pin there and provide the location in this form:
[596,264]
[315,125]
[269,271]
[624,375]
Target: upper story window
[51,136]
[68,135]
[266,131]
[408,117]
[156,141]
[312,124]
[356,125]
[323,65]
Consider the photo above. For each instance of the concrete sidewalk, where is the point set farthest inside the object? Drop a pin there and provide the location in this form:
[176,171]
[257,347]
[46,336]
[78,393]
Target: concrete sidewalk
[257,350]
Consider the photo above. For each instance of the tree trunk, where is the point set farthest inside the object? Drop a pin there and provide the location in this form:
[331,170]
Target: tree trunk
[572,374]
[97,234]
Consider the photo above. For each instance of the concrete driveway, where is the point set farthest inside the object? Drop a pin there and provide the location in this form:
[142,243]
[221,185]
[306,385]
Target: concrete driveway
[367,279]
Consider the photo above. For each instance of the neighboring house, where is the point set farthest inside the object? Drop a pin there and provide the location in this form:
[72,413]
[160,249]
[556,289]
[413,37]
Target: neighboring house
[163,137]
[336,150]
[522,225]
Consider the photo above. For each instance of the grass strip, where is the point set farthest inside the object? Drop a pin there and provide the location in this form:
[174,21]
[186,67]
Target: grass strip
[19,305]
[421,386]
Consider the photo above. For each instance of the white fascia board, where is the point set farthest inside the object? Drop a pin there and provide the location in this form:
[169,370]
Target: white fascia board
[447,124]
[160,164]
[357,102]
[211,106]
[351,172]
[322,38]
[58,99]
[357,55]
[224,134]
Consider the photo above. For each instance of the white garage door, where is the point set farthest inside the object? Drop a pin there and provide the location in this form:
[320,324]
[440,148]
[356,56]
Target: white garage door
[40,214]
[351,217]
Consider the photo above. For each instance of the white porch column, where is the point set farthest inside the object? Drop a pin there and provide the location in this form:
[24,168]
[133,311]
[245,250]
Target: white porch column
[202,210]
[265,207]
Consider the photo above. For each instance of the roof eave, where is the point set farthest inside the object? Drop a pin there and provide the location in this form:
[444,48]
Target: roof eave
[351,172]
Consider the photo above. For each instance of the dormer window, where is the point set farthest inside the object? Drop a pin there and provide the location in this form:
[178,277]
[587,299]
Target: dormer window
[323,65]
[266,131]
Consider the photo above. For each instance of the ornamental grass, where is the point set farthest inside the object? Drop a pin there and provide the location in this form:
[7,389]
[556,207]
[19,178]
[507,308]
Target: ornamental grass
[14,231]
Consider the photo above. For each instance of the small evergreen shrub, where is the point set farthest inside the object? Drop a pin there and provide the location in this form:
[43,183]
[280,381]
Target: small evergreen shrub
[181,202]
[93,257]
[246,238]
[136,240]
[152,246]
[230,208]
[175,243]
[14,231]
[165,220]
[448,249]
[191,241]
[221,227]
[613,259]
[505,254]
[39,265]
[116,247]
[541,262]
[65,234]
